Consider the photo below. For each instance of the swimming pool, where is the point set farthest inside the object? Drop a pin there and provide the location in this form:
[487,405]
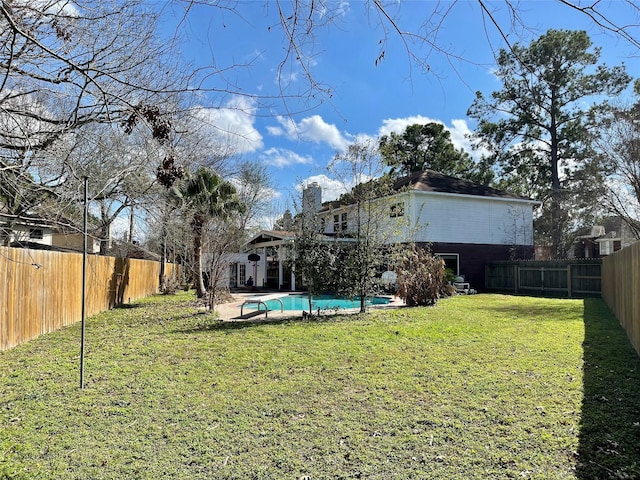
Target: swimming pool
[323,302]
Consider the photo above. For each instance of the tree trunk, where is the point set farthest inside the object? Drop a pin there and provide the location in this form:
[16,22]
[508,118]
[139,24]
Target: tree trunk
[198,279]
[556,224]
[163,260]
[131,221]
[105,238]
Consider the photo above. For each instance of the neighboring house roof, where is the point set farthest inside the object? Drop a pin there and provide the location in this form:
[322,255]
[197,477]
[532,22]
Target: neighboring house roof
[122,249]
[593,231]
[27,220]
[611,228]
[432,181]
[58,224]
[332,205]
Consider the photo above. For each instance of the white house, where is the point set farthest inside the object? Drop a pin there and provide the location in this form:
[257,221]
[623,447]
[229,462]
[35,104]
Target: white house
[465,223]
[24,231]
[602,240]
[37,232]
[269,269]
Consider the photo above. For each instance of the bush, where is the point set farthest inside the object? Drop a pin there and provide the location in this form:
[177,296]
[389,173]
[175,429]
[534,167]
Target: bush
[170,286]
[421,277]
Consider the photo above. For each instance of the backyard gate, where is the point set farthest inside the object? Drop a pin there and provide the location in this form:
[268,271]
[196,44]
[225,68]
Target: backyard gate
[570,278]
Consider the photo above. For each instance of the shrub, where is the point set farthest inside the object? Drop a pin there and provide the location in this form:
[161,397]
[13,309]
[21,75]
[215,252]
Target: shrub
[170,286]
[421,277]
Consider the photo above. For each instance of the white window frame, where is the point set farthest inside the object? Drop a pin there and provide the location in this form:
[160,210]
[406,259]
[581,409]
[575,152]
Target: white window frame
[451,256]
[606,247]
[396,210]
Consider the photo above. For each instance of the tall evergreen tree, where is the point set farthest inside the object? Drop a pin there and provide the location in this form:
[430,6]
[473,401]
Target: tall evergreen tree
[538,125]
[428,146]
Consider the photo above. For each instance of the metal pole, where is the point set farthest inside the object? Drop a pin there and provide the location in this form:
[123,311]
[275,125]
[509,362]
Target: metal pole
[84,281]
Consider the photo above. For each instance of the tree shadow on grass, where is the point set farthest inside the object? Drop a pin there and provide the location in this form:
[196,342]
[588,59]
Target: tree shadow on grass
[126,306]
[242,323]
[610,421]
[540,311]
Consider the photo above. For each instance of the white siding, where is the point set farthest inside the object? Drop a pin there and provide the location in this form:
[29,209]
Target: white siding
[24,233]
[470,219]
[450,218]
[330,222]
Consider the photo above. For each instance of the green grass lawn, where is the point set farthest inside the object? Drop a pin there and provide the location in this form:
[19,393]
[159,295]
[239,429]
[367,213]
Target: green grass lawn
[484,386]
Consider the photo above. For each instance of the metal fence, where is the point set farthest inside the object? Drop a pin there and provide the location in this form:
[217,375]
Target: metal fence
[567,278]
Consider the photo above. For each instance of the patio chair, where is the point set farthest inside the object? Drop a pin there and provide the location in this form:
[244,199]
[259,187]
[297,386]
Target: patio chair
[462,286]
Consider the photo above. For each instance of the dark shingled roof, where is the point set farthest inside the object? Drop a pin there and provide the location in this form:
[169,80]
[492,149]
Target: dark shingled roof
[432,181]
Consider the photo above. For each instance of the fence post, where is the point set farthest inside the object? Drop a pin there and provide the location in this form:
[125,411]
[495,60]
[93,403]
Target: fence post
[569,280]
[516,277]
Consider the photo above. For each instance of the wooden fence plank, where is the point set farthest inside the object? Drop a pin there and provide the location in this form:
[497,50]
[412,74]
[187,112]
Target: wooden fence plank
[41,291]
[569,277]
[620,289]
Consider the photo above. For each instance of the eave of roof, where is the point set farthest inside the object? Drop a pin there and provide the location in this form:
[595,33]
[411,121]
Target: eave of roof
[274,234]
[431,181]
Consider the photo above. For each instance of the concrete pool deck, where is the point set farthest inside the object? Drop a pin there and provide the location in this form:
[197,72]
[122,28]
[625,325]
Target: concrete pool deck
[230,311]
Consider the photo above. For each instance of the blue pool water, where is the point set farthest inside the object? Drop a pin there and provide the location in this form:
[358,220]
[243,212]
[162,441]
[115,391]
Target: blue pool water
[301,302]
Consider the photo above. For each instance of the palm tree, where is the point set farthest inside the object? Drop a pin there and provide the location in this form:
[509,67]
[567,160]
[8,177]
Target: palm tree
[207,196]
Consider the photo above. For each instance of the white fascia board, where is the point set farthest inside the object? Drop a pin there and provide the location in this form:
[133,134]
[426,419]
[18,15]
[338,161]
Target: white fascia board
[273,243]
[476,197]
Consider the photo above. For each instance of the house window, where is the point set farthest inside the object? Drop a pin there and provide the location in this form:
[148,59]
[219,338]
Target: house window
[451,261]
[323,225]
[233,275]
[242,277]
[396,210]
[606,247]
[36,234]
[340,222]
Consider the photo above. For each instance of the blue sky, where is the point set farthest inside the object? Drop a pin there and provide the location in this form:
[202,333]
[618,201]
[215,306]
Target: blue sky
[368,98]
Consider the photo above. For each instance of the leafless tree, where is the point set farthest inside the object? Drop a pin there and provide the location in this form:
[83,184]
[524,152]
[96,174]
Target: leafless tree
[418,39]
[255,190]
[64,67]
[620,147]
[120,170]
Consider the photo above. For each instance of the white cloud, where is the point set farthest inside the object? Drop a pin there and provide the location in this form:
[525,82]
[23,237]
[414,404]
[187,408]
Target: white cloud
[276,131]
[51,8]
[341,9]
[312,129]
[280,157]
[398,125]
[233,125]
[264,195]
[271,194]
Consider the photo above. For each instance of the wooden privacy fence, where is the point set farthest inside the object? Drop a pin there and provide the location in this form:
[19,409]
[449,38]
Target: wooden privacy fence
[569,278]
[621,289]
[41,291]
